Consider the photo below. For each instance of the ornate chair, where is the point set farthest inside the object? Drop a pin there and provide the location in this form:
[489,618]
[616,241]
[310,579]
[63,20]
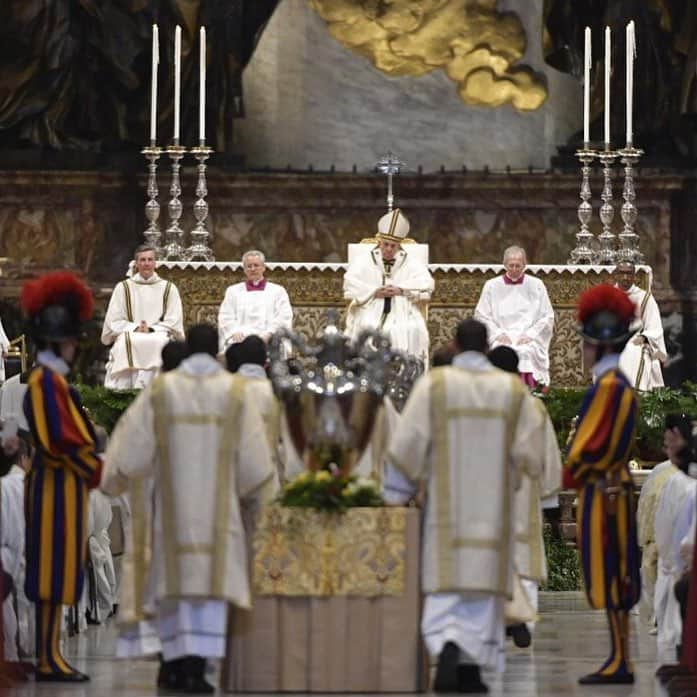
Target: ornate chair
[16,359]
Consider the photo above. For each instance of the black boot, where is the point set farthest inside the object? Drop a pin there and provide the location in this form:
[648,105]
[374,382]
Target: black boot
[170,675]
[469,680]
[521,635]
[194,681]
[446,673]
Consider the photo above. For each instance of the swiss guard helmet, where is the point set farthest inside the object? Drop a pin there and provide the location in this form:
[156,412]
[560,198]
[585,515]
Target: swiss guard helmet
[57,305]
[606,316]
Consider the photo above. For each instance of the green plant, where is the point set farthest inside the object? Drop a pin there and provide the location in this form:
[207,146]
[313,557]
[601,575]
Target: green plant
[327,491]
[105,406]
[563,568]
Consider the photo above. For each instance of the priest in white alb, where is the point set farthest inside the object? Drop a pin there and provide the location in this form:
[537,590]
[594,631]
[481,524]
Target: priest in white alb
[254,306]
[388,288]
[517,312]
[469,525]
[645,352]
[144,314]
[192,448]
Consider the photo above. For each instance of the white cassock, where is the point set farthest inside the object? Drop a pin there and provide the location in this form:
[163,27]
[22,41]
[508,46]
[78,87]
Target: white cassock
[404,323]
[646,517]
[529,551]
[136,357]
[12,529]
[677,490]
[644,353]
[4,347]
[190,437]
[519,310]
[12,394]
[263,310]
[469,518]
[102,590]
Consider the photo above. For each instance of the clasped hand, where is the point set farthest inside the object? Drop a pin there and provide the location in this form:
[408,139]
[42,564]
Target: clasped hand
[388,292]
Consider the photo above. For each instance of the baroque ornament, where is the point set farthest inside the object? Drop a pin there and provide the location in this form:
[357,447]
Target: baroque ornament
[475,44]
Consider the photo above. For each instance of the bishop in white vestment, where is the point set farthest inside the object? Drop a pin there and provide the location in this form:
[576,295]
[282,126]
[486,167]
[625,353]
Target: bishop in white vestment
[388,290]
[645,352]
[201,443]
[467,432]
[144,314]
[517,312]
[254,306]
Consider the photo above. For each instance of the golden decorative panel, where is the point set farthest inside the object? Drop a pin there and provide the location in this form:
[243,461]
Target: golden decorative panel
[470,40]
[301,552]
[315,290]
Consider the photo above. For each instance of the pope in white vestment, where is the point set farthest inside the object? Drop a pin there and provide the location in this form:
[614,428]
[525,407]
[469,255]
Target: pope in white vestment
[517,312]
[144,314]
[388,290]
[254,306]
[195,446]
[467,432]
[645,352]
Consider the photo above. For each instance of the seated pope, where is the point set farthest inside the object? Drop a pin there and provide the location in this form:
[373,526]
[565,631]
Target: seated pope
[253,307]
[144,314]
[517,312]
[387,289]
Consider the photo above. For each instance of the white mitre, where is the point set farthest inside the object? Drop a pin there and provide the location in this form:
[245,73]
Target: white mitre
[393,226]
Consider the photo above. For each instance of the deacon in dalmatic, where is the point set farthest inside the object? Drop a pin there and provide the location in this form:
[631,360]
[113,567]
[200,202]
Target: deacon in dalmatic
[516,310]
[469,526]
[144,314]
[193,447]
[388,289]
[645,352]
[254,306]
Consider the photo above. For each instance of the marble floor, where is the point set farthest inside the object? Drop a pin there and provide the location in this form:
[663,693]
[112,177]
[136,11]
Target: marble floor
[570,640]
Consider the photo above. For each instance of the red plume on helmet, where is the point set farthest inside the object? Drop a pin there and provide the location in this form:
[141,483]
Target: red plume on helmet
[605,298]
[57,288]
[57,305]
[605,315]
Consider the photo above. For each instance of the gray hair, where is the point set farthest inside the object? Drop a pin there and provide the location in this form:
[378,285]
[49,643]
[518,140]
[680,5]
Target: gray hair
[254,253]
[514,251]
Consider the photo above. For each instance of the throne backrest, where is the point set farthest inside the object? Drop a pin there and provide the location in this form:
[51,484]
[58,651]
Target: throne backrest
[416,249]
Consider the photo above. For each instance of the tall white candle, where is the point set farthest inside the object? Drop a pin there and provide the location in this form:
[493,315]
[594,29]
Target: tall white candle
[153,84]
[608,67]
[587,87]
[631,53]
[177,80]
[202,86]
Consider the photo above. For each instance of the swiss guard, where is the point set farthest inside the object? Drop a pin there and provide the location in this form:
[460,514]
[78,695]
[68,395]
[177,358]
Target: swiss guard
[597,466]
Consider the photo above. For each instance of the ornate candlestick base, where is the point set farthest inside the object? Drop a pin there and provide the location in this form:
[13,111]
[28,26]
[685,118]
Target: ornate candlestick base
[607,239]
[152,234]
[583,252]
[629,240]
[199,250]
[174,241]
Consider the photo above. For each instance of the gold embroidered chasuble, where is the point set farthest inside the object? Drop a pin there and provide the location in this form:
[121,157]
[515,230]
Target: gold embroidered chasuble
[467,435]
[192,447]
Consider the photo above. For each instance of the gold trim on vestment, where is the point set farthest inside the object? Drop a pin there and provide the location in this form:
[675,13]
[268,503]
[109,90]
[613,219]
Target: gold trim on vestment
[166,485]
[195,549]
[475,542]
[140,533]
[129,350]
[441,455]
[229,438]
[165,298]
[129,301]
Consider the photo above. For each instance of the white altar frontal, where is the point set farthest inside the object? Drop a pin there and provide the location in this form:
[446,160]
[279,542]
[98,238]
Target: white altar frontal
[314,288]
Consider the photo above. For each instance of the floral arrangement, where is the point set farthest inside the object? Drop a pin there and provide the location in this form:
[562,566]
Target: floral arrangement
[332,491]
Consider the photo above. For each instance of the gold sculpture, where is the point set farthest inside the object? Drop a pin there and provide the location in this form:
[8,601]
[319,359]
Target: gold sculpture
[470,40]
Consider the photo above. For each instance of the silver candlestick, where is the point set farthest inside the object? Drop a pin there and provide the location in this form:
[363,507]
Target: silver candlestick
[199,249]
[629,240]
[174,247]
[390,165]
[153,235]
[606,239]
[583,252]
